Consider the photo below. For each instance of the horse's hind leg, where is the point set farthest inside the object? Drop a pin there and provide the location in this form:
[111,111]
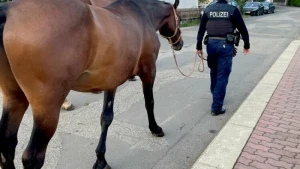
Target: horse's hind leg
[14,107]
[106,119]
[148,76]
[45,111]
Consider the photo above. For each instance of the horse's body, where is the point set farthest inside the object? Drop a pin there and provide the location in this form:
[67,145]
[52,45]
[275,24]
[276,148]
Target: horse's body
[53,46]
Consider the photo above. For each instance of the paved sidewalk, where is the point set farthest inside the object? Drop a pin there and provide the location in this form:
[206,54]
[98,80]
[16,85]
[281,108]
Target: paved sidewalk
[264,133]
[275,141]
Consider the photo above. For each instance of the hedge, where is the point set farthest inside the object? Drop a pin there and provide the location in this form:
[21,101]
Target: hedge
[294,3]
[4,1]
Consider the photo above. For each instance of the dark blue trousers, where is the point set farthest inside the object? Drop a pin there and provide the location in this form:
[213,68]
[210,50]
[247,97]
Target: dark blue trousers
[219,61]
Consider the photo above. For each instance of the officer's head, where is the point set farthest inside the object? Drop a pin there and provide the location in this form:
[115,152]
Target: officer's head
[170,28]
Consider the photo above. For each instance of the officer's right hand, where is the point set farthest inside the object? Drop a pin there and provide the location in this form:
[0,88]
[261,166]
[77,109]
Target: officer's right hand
[246,51]
[200,52]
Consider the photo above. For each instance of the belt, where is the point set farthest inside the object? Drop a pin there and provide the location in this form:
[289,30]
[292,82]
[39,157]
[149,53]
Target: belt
[217,38]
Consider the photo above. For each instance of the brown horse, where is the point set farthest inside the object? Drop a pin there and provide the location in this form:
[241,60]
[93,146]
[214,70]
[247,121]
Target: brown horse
[50,47]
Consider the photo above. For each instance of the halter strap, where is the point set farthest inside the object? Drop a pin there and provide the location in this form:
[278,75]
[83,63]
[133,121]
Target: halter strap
[177,27]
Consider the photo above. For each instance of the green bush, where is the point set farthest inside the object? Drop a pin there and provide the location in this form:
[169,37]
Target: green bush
[294,3]
[194,22]
[241,4]
[4,1]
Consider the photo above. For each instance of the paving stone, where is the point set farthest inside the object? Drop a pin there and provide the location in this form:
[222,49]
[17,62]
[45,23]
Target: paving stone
[275,140]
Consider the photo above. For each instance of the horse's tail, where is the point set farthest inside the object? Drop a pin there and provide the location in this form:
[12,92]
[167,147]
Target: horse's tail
[3,12]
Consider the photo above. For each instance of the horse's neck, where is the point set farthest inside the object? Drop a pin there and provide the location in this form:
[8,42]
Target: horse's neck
[87,2]
[156,14]
[157,18]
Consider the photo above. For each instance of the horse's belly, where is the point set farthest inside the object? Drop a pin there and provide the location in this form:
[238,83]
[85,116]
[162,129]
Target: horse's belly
[96,82]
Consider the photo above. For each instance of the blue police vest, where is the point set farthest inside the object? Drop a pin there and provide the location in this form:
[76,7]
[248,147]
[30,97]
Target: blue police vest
[219,23]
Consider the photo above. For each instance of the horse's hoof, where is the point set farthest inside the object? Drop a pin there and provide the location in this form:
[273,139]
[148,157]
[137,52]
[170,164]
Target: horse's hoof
[157,132]
[70,108]
[106,167]
[132,79]
[97,166]
[2,161]
[4,164]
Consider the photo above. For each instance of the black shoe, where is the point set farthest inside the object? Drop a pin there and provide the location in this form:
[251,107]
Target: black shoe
[132,79]
[222,111]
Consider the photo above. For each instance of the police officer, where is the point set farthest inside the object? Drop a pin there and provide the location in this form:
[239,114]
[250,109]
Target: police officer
[220,21]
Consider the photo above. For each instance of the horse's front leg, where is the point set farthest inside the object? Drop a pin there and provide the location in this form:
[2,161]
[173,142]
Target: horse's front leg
[148,77]
[106,119]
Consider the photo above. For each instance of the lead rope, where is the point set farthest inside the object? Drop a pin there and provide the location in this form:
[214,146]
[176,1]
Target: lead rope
[201,61]
[170,41]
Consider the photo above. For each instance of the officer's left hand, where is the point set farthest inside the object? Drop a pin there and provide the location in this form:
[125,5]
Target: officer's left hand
[234,51]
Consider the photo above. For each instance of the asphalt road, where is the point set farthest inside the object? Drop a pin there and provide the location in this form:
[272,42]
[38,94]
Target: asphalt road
[182,106]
